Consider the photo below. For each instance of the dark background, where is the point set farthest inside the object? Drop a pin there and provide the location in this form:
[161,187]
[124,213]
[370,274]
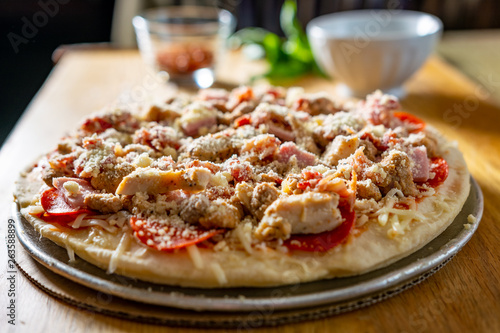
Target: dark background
[23,71]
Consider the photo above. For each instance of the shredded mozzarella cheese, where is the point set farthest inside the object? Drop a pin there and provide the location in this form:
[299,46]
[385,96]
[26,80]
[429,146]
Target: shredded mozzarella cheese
[219,273]
[120,249]
[195,256]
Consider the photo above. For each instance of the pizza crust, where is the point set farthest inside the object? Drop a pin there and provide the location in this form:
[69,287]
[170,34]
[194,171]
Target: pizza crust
[205,268]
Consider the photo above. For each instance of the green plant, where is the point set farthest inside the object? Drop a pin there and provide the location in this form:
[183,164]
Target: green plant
[288,57]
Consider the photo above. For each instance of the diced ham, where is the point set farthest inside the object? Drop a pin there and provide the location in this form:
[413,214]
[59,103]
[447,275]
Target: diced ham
[275,118]
[74,192]
[280,132]
[377,108]
[193,128]
[421,168]
[289,149]
[198,119]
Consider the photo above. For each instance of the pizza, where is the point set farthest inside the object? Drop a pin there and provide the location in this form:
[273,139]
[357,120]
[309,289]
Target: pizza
[258,186]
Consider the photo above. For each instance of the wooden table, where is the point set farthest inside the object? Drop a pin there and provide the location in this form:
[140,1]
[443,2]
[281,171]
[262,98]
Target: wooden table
[463,296]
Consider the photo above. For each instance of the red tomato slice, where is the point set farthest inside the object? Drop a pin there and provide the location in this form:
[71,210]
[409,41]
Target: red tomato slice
[174,237]
[417,123]
[324,241]
[440,167]
[54,203]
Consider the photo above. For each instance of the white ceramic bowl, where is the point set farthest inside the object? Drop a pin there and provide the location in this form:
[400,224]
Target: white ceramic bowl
[373,49]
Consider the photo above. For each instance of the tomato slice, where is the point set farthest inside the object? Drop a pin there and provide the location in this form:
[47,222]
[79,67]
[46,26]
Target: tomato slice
[167,238]
[327,240]
[440,168]
[417,124]
[54,203]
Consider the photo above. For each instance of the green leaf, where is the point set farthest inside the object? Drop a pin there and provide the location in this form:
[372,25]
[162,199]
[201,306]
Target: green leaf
[272,45]
[288,19]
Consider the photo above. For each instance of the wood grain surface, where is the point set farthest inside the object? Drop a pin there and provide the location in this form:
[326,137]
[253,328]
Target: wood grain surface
[462,297]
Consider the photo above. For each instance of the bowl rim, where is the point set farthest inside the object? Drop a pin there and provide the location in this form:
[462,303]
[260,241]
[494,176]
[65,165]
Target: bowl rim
[314,28]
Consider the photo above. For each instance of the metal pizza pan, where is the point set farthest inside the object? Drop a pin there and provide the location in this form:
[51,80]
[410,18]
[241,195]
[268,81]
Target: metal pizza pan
[340,293]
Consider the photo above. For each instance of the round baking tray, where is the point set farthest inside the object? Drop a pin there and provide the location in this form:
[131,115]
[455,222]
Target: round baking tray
[341,294]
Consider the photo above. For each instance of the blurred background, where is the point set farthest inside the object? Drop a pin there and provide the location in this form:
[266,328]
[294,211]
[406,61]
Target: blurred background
[33,29]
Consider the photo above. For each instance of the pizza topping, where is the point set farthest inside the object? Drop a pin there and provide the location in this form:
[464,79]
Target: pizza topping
[307,213]
[198,119]
[166,237]
[103,202]
[413,123]
[277,164]
[70,192]
[257,199]
[341,147]
[420,168]
[289,150]
[439,168]
[327,240]
[155,181]
[315,104]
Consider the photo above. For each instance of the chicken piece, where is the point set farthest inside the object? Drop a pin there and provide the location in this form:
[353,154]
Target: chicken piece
[212,147]
[316,104]
[198,209]
[103,202]
[366,189]
[109,179]
[395,173]
[303,136]
[49,174]
[153,181]
[340,123]
[262,197]
[121,120]
[370,150]
[341,147]
[257,199]
[307,213]
[427,140]
[164,113]
[158,137]
[262,146]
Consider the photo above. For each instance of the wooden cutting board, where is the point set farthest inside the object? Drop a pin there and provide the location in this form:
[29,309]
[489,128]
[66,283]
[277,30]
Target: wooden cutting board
[463,296]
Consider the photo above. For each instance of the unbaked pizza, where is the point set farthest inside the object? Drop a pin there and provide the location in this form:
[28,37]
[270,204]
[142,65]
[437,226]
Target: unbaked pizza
[258,186]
